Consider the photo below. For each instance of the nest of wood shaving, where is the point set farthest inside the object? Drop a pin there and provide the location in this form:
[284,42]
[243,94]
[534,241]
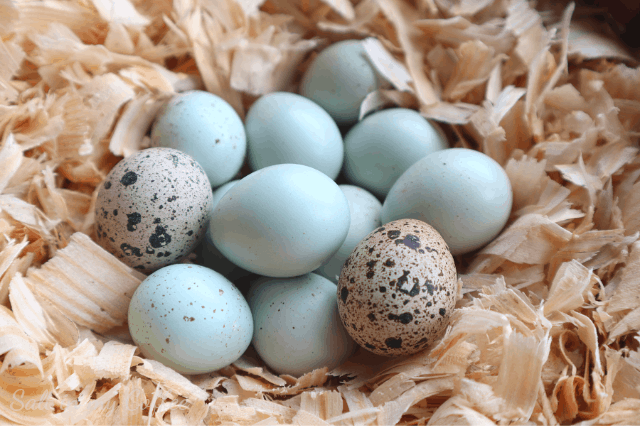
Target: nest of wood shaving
[546,329]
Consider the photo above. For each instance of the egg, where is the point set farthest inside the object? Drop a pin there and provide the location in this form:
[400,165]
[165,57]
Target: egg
[190,318]
[464,194]
[153,208]
[398,288]
[281,221]
[297,327]
[288,128]
[381,147]
[364,209]
[339,79]
[212,258]
[207,128]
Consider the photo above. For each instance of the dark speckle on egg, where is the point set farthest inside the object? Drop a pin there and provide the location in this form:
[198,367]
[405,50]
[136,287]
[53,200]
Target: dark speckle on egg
[133,222]
[400,304]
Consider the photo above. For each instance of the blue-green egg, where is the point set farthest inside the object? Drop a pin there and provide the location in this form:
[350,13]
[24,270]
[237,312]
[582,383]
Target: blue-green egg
[339,79]
[381,147]
[464,194]
[288,128]
[297,324]
[207,128]
[281,221]
[190,318]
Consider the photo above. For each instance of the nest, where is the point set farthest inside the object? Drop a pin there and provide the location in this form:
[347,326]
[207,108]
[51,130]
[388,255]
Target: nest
[546,327]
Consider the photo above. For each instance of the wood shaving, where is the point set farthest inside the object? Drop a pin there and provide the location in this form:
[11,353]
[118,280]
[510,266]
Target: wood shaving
[546,329]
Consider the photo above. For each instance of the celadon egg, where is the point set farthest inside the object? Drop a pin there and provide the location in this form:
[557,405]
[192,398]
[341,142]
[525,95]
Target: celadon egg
[339,79]
[288,128]
[212,258]
[364,209]
[464,194]
[297,326]
[190,318]
[207,128]
[385,144]
[281,221]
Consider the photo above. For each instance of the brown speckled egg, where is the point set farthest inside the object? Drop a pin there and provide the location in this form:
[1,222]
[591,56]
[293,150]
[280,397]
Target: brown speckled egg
[153,208]
[397,288]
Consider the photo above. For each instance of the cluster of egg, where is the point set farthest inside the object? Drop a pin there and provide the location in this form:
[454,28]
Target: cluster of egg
[329,266]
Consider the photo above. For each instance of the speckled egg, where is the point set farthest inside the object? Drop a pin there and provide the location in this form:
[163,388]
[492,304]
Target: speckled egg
[190,318]
[397,288]
[153,208]
[206,127]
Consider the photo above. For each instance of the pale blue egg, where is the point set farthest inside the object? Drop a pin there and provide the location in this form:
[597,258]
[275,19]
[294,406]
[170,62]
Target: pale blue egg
[206,127]
[385,144]
[297,324]
[364,209]
[464,194]
[190,318]
[281,221]
[339,79]
[288,128]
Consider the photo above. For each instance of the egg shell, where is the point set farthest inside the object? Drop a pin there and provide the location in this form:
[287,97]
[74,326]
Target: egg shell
[381,147]
[297,325]
[288,128]
[281,221]
[206,127]
[464,194]
[339,79]
[153,208]
[398,288]
[364,209]
[212,258]
[190,318]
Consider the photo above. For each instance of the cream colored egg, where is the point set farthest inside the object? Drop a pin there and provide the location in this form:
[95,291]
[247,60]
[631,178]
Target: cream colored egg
[398,288]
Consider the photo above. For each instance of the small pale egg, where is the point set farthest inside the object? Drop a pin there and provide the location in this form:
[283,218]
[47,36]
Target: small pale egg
[153,208]
[398,288]
[339,79]
[281,221]
[381,147]
[207,128]
[464,194]
[190,318]
[297,327]
[288,128]
[364,209]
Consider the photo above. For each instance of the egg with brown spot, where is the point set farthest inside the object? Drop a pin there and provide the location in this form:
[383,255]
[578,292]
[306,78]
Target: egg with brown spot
[398,288]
